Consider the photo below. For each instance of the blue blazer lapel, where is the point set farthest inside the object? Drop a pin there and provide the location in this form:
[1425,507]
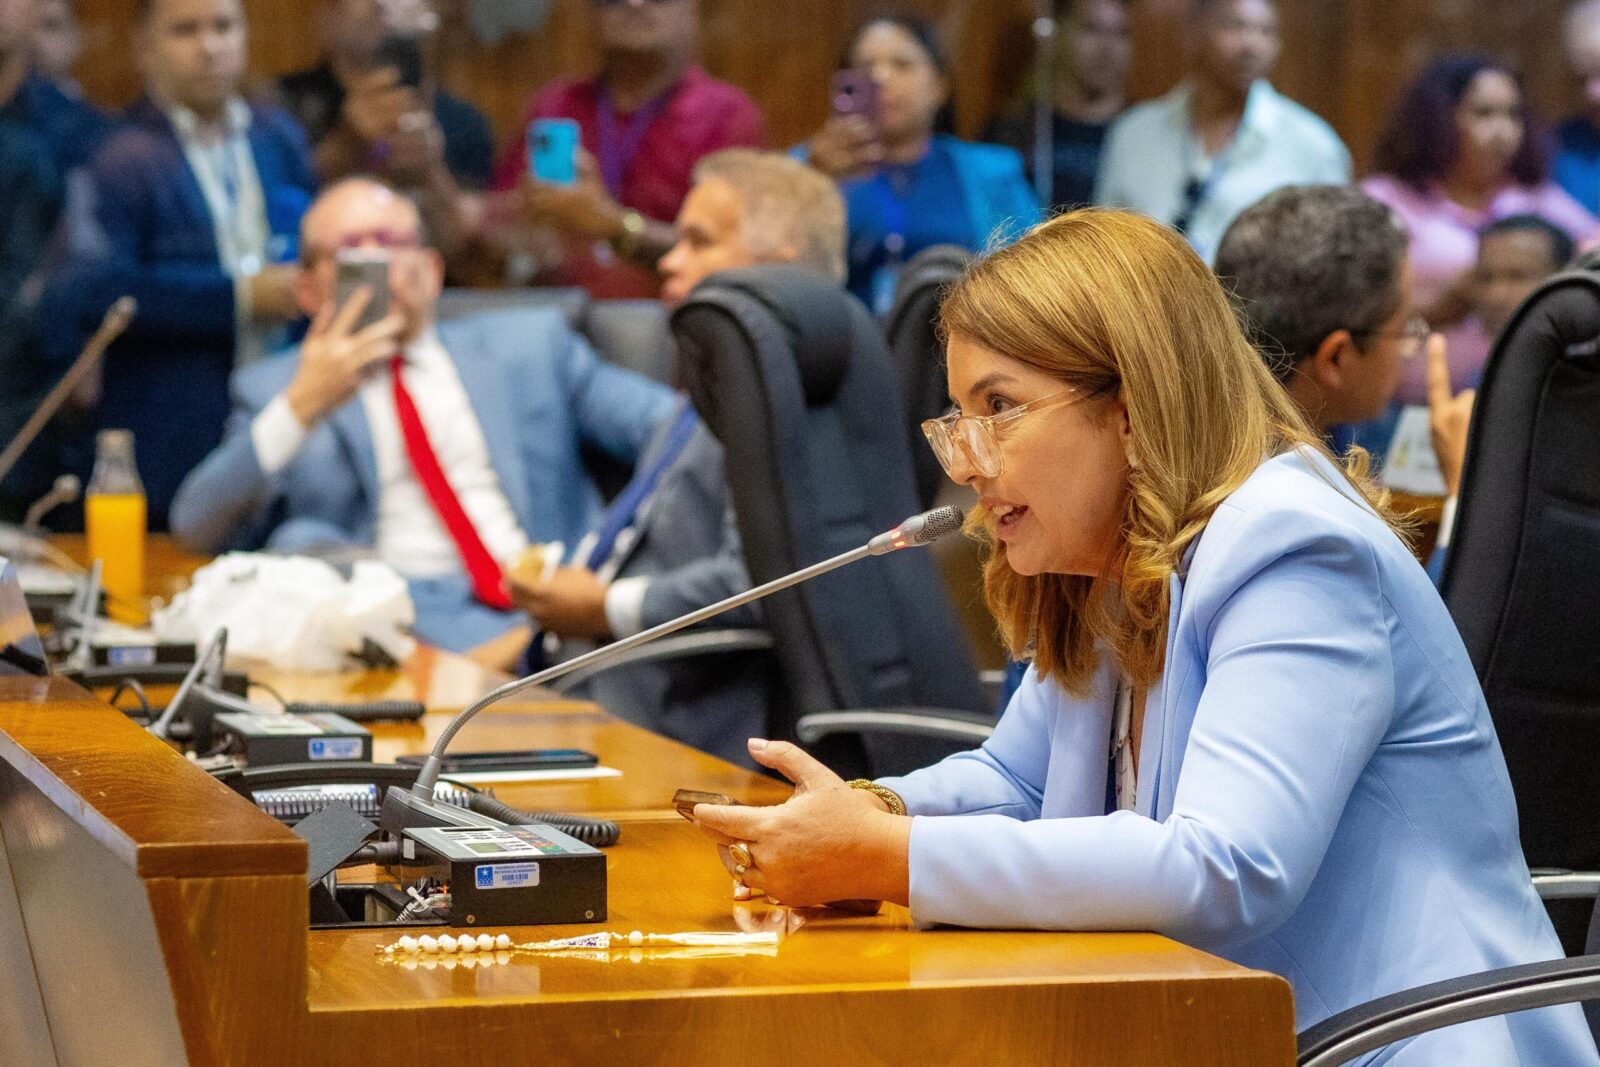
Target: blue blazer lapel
[349,424]
[1155,738]
[490,389]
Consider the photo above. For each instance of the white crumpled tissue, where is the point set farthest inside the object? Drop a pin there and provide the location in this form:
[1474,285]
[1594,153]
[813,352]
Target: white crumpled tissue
[292,612]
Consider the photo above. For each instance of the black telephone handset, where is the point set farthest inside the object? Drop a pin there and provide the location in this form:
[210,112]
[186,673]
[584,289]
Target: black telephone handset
[291,792]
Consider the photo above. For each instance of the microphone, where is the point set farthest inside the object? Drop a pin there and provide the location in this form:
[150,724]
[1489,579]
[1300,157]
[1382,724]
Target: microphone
[923,529]
[117,318]
[64,491]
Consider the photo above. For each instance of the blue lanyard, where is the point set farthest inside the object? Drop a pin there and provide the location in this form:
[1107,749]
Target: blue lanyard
[893,212]
[625,509]
[618,145]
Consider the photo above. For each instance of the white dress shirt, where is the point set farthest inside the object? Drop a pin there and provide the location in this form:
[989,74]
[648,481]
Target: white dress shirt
[1151,154]
[410,536]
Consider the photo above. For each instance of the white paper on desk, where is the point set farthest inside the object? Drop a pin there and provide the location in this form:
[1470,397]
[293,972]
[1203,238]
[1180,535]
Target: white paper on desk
[554,774]
[1411,465]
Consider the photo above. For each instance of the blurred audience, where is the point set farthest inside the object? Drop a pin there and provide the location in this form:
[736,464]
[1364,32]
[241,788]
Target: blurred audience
[644,121]
[1222,139]
[1091,71]
[197,200]
[1320,275]
[907,184]
[670,544]
[447,450]
[1460,150]
[1577,162]
[71,129]
[362,112]
[1515,254]
[373,106]
[57,44]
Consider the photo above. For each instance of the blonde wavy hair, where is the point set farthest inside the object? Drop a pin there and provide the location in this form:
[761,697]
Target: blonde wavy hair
[1115,305]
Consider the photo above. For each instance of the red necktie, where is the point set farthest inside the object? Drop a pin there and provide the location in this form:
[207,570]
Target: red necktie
[487,580]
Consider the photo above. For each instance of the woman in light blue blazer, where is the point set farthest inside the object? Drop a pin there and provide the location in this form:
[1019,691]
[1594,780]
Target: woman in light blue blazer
[1250,723]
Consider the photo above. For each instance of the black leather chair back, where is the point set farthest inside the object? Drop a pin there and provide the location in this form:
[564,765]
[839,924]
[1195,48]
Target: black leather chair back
[919,353]
[1523,575]
[791,374]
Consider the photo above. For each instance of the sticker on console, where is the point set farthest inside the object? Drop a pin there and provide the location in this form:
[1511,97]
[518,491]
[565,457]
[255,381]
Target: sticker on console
[505,875]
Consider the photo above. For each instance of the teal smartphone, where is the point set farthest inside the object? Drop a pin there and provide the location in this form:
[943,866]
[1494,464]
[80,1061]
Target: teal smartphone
[553,150]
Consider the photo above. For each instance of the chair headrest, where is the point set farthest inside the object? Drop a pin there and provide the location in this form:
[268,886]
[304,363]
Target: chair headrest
[814,311]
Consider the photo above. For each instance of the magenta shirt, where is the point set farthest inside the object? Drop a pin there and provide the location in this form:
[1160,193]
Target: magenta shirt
[699,116]
[1444,235]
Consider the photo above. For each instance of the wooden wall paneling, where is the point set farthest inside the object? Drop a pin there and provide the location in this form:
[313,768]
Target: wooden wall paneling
[1345,59]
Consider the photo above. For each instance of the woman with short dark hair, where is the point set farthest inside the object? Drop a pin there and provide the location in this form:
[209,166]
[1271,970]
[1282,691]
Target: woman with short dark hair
[907,184]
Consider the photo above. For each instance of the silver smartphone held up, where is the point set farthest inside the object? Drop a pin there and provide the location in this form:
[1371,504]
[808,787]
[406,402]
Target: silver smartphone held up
[363,267]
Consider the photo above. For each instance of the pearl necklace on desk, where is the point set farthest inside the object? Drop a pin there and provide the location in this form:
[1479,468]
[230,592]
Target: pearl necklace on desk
[605,940]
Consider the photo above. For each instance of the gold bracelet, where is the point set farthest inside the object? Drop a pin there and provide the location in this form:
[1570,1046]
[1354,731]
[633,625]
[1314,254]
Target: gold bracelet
[883,793]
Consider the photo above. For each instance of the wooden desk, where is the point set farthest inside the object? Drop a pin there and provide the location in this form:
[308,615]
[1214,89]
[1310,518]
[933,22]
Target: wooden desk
[150,915]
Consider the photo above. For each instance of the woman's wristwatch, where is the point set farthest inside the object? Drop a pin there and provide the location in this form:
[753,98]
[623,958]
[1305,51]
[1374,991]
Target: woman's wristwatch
[888,796]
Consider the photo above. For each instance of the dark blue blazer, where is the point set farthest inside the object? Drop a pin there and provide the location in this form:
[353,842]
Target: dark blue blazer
[167,379]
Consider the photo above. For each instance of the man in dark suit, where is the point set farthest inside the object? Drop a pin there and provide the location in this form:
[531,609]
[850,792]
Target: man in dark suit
[197,203]
[447,451]
[669,544]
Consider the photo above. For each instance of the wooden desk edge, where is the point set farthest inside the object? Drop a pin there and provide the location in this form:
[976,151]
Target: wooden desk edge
[252,843]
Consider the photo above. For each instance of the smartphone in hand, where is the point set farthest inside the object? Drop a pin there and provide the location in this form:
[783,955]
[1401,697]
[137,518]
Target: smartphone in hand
[553,150]
[358,268]
[855,93]
[685,800]
[403,54]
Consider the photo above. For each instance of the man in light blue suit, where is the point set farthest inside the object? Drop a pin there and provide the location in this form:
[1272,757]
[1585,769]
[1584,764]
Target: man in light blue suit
[320,449]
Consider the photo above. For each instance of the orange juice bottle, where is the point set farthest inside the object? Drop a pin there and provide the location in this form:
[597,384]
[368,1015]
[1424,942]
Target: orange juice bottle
[114,512]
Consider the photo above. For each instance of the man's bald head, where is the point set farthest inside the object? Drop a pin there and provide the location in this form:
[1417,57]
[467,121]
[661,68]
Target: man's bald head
[365,213]
[354,208]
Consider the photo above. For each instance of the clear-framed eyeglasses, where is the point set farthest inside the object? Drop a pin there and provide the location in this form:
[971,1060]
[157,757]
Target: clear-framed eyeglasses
[1412,336]
[978,436]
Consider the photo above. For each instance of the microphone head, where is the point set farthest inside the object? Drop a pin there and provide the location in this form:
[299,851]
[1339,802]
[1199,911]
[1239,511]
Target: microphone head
[922,529]
[67,487]
[938,523]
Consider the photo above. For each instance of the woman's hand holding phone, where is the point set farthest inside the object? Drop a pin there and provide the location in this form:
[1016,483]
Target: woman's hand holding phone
[847,146]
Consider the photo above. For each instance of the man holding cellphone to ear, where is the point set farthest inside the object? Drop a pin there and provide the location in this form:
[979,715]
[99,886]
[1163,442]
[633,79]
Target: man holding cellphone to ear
[644,121]
[447,451]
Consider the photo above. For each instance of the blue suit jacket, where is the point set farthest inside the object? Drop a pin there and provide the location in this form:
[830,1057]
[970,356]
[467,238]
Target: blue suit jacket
[1320,789]
[540,395]
[167,379]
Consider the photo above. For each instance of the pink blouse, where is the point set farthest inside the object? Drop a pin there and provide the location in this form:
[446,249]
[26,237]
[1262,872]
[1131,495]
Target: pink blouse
[1444,235]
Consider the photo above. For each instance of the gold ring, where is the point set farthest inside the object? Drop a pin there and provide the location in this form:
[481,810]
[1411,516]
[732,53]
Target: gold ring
[741,854]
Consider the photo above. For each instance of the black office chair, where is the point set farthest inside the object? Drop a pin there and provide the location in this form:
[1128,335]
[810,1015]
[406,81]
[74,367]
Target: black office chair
[1379,1023]
[1523,575]
[918,351]
[632,334]
[792,376]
